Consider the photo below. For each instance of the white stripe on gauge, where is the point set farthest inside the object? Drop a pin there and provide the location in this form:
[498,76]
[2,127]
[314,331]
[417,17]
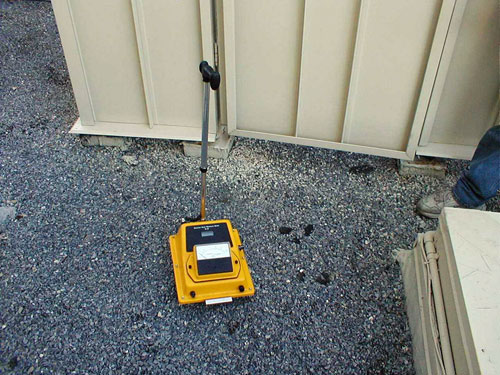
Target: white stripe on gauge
[215,301]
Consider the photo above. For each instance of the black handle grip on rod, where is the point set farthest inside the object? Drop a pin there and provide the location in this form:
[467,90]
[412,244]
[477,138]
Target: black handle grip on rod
[210,75]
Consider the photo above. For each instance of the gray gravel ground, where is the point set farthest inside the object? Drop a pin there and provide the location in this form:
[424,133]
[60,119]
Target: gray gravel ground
[86,281]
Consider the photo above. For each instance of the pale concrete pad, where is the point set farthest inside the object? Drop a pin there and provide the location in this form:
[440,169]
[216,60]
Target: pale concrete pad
[219,149]
[102,140]
[422,166]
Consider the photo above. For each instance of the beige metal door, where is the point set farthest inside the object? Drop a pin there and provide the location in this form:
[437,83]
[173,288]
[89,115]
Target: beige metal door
[465,100]
[173,38]
[134,65]
[354,75]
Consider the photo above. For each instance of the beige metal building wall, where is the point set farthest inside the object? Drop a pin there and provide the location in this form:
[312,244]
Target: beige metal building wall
[367,76]
[344,74]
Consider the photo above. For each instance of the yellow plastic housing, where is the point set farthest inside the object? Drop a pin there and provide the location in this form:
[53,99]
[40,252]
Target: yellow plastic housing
[193,287]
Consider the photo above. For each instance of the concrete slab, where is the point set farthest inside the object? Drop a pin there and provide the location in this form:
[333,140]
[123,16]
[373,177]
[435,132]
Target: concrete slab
[218,150]
[422,166]
[102,140]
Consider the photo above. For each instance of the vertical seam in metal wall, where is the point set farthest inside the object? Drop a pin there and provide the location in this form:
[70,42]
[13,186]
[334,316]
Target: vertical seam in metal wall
[356,61]
[411,151]
[230,63]
[207,51]
[215,33]
[301,57]
[147,79]
[80,56]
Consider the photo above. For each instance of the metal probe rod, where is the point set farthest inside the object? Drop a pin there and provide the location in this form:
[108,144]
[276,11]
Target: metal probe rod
[204,148]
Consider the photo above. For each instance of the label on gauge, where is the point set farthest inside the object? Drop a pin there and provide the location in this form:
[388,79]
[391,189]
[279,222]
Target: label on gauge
[213,251]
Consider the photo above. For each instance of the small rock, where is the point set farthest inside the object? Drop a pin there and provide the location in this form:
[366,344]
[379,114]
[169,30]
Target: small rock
[323,278]
[296,240]
[7,213]
[130,160]
[301,275]
[12,363]
[308,230]
[361,169]
[285,230]
[233,326]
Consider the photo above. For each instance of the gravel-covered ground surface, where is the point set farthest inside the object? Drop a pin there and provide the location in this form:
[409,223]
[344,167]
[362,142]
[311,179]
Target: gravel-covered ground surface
[86,281]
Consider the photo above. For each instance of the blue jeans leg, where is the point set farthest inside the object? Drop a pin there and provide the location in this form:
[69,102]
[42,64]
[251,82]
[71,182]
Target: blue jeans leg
[481,181]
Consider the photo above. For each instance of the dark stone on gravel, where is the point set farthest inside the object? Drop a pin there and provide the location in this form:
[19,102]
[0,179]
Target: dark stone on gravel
[308,230]
[285,230]
[323,278]
[12,364]
[232,326]
[361,169]
[301,275]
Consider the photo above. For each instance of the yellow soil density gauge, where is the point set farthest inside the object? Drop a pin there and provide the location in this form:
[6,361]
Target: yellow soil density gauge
[209,263]
[208,258]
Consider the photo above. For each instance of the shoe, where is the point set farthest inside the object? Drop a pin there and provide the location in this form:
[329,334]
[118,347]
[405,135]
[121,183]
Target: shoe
[432,205]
